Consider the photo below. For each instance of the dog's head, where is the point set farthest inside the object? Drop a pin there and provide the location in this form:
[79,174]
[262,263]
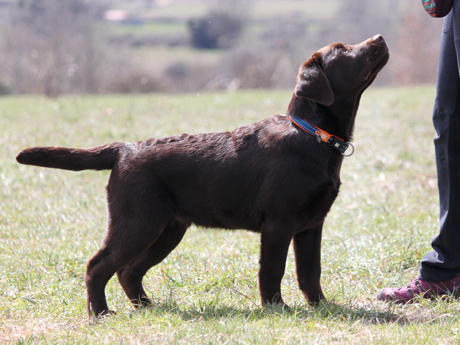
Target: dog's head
[341,70]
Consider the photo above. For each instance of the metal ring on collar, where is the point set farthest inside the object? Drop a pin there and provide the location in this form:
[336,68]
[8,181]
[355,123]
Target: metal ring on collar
[353,150]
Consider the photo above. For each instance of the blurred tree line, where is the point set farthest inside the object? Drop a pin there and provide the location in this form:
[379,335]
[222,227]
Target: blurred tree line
[54,47]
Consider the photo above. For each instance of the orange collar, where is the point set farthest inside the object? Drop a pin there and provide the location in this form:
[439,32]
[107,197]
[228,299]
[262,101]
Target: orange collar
[323,136]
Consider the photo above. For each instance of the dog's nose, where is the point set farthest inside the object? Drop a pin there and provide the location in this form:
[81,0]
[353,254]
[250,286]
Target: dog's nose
[378,38]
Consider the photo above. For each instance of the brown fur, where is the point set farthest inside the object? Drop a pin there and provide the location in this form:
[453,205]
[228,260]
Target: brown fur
[269,177]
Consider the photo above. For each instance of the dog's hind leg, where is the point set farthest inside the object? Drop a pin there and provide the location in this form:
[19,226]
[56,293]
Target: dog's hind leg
[138,215]
[113,256]
[130,277]
[98,273]
[307,249]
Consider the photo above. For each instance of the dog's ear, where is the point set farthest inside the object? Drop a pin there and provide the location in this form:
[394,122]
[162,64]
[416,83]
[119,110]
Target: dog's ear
[313,84]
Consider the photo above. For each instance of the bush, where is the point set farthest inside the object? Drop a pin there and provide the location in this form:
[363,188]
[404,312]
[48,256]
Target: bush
[215,30]
[4,89]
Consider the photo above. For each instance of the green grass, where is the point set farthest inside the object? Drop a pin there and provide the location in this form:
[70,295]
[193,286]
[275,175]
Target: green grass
[163,57]
[324,9]
[205,292]
[156,28]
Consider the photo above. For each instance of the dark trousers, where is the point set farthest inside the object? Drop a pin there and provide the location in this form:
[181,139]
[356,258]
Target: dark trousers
[443,262]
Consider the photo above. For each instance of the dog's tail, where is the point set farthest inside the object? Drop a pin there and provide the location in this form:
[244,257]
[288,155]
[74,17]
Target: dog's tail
[96,158]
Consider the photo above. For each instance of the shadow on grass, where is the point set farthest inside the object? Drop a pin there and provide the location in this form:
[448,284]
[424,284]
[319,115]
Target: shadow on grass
[336,312]
[324,311]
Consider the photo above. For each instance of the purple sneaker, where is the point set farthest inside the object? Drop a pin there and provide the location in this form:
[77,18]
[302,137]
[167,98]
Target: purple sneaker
[422,288]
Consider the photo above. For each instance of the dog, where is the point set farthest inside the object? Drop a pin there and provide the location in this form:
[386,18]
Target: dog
[278,177]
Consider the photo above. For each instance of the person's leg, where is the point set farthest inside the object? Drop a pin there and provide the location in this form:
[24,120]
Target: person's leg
[440,267]
[443,262]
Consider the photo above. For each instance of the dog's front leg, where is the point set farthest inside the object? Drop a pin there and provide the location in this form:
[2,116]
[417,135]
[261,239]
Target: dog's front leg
[307,249]
[275,242]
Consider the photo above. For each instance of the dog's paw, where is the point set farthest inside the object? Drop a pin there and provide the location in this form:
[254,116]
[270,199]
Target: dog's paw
[103,314]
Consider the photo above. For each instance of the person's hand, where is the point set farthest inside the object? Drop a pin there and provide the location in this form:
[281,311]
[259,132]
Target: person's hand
[437,8]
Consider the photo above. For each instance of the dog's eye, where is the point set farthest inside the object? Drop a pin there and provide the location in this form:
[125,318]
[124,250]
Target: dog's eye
[342,48]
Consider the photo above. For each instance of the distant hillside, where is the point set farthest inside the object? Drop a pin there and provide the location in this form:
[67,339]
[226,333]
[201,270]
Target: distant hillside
[258,9]
[120,46]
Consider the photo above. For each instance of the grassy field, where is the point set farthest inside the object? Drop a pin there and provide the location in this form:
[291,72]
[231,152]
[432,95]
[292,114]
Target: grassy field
[205,292]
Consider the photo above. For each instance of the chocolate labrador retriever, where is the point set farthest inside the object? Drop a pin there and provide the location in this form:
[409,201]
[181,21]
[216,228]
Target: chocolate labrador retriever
[271,177]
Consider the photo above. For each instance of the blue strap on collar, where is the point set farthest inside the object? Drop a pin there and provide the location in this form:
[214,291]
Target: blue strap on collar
[322,136]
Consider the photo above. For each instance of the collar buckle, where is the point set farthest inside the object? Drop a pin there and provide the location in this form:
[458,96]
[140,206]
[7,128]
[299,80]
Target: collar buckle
[341,146]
